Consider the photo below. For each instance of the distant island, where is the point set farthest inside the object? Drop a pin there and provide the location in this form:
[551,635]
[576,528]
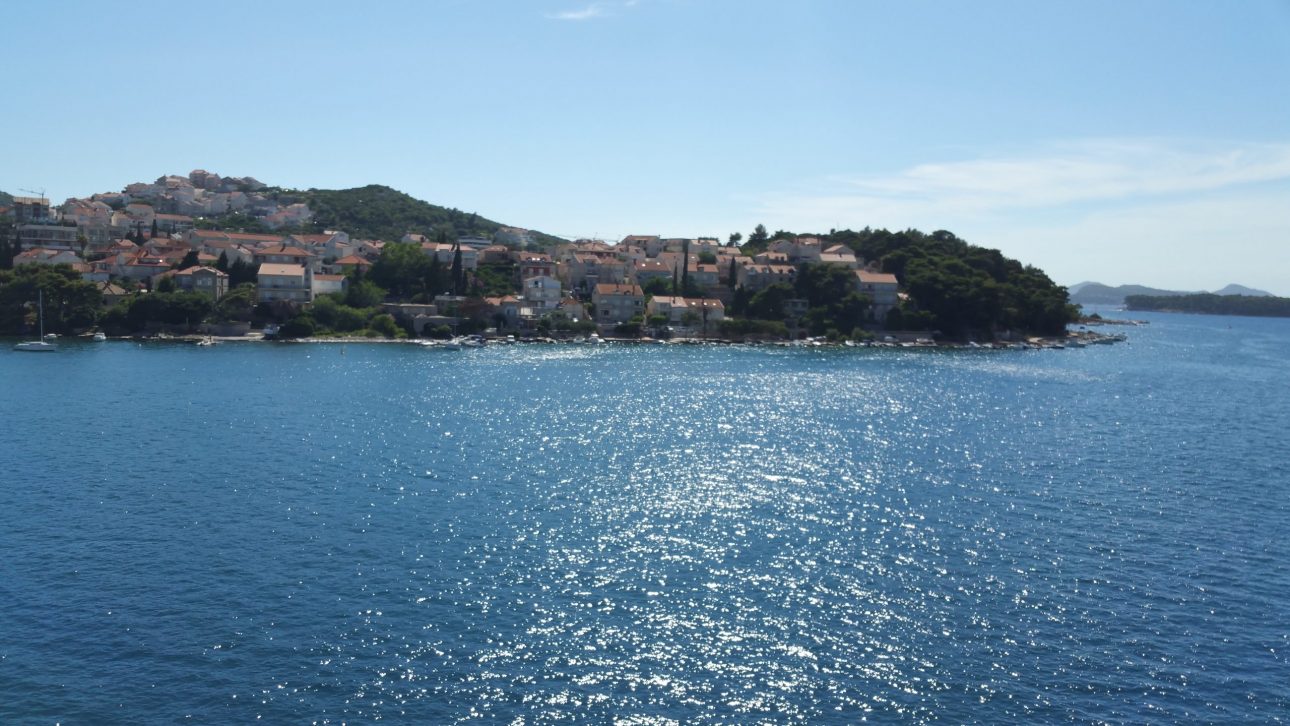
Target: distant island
[1095,293]
[205,253]
[1209,304]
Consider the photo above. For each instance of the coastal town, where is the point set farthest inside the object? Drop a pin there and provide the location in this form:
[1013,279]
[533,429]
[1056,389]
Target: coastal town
[291,280]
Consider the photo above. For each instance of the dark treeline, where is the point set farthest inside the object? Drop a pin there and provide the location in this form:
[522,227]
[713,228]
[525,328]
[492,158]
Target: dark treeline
[1210,304]
[957,288]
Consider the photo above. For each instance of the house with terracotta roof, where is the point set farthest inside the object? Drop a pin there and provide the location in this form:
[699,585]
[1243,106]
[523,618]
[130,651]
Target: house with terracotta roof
[173,223]
[206,280]
[882,289]
[350,263]
[279,281]
[756,277]
[535,264]
[328,284]
[646,270]
[672,307]
[46,256]
[112,294]
[542,292]
[444,252]
[651,244]
[144,265]
[506,306]
[329,244]
[200,237]
[799,250]
[617,303]
[703,275]
[281,254]
[494,254]
[840,255]
[690,311]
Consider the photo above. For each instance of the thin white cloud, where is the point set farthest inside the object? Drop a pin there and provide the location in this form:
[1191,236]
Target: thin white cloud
[1064,175]
[594,10]
[602,9]
[1181,214]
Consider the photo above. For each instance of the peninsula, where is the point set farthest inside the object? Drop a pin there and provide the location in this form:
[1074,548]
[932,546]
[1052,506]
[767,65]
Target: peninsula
[212,255]
[1209,304]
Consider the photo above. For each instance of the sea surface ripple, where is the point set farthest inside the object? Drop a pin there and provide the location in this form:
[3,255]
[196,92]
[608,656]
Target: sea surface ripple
[649,535]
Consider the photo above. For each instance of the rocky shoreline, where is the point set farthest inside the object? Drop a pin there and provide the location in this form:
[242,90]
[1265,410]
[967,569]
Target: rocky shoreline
[1074,339]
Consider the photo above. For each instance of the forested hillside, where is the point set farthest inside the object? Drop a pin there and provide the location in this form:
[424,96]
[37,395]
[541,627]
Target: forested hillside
[958,288]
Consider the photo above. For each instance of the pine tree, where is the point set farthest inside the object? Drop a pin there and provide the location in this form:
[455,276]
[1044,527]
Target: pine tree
[685,267]
[458,274]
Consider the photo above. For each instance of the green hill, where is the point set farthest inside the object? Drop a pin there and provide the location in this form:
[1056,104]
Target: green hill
[379,212]
[958,288]
[374,212]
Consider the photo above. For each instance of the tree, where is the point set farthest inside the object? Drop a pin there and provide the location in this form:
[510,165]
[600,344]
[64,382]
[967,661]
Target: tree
[301,326]
[402,268]
[458,273]
[685,266]
[236,305]
[70,302]
[7,252]
[190,260]
[385,325]
[240,273]
[657,286]
[735,237]
[154,228]
[222,263]
[768,304]
[364,294]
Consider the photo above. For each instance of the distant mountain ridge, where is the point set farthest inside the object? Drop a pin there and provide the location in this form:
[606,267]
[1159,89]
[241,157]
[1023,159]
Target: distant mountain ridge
[1095,293]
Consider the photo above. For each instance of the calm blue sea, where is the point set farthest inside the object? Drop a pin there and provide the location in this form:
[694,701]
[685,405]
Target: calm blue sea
[650,535]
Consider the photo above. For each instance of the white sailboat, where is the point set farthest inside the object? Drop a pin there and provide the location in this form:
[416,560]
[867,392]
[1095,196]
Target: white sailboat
[39,345]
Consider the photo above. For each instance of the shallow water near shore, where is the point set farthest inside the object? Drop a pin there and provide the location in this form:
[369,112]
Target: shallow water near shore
[655,534]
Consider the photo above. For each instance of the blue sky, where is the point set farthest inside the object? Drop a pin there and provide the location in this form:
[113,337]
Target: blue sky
[1118,141]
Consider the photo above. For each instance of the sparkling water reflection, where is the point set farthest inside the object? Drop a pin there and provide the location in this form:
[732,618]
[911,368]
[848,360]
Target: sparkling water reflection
[649,535]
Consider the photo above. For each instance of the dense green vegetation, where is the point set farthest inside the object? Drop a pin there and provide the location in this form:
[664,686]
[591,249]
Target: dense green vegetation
[175,309]
[70,302]
[370,212]
[334,315]
[833,307]
[1209,304]
[379,212]
[959,289]
[410,274]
